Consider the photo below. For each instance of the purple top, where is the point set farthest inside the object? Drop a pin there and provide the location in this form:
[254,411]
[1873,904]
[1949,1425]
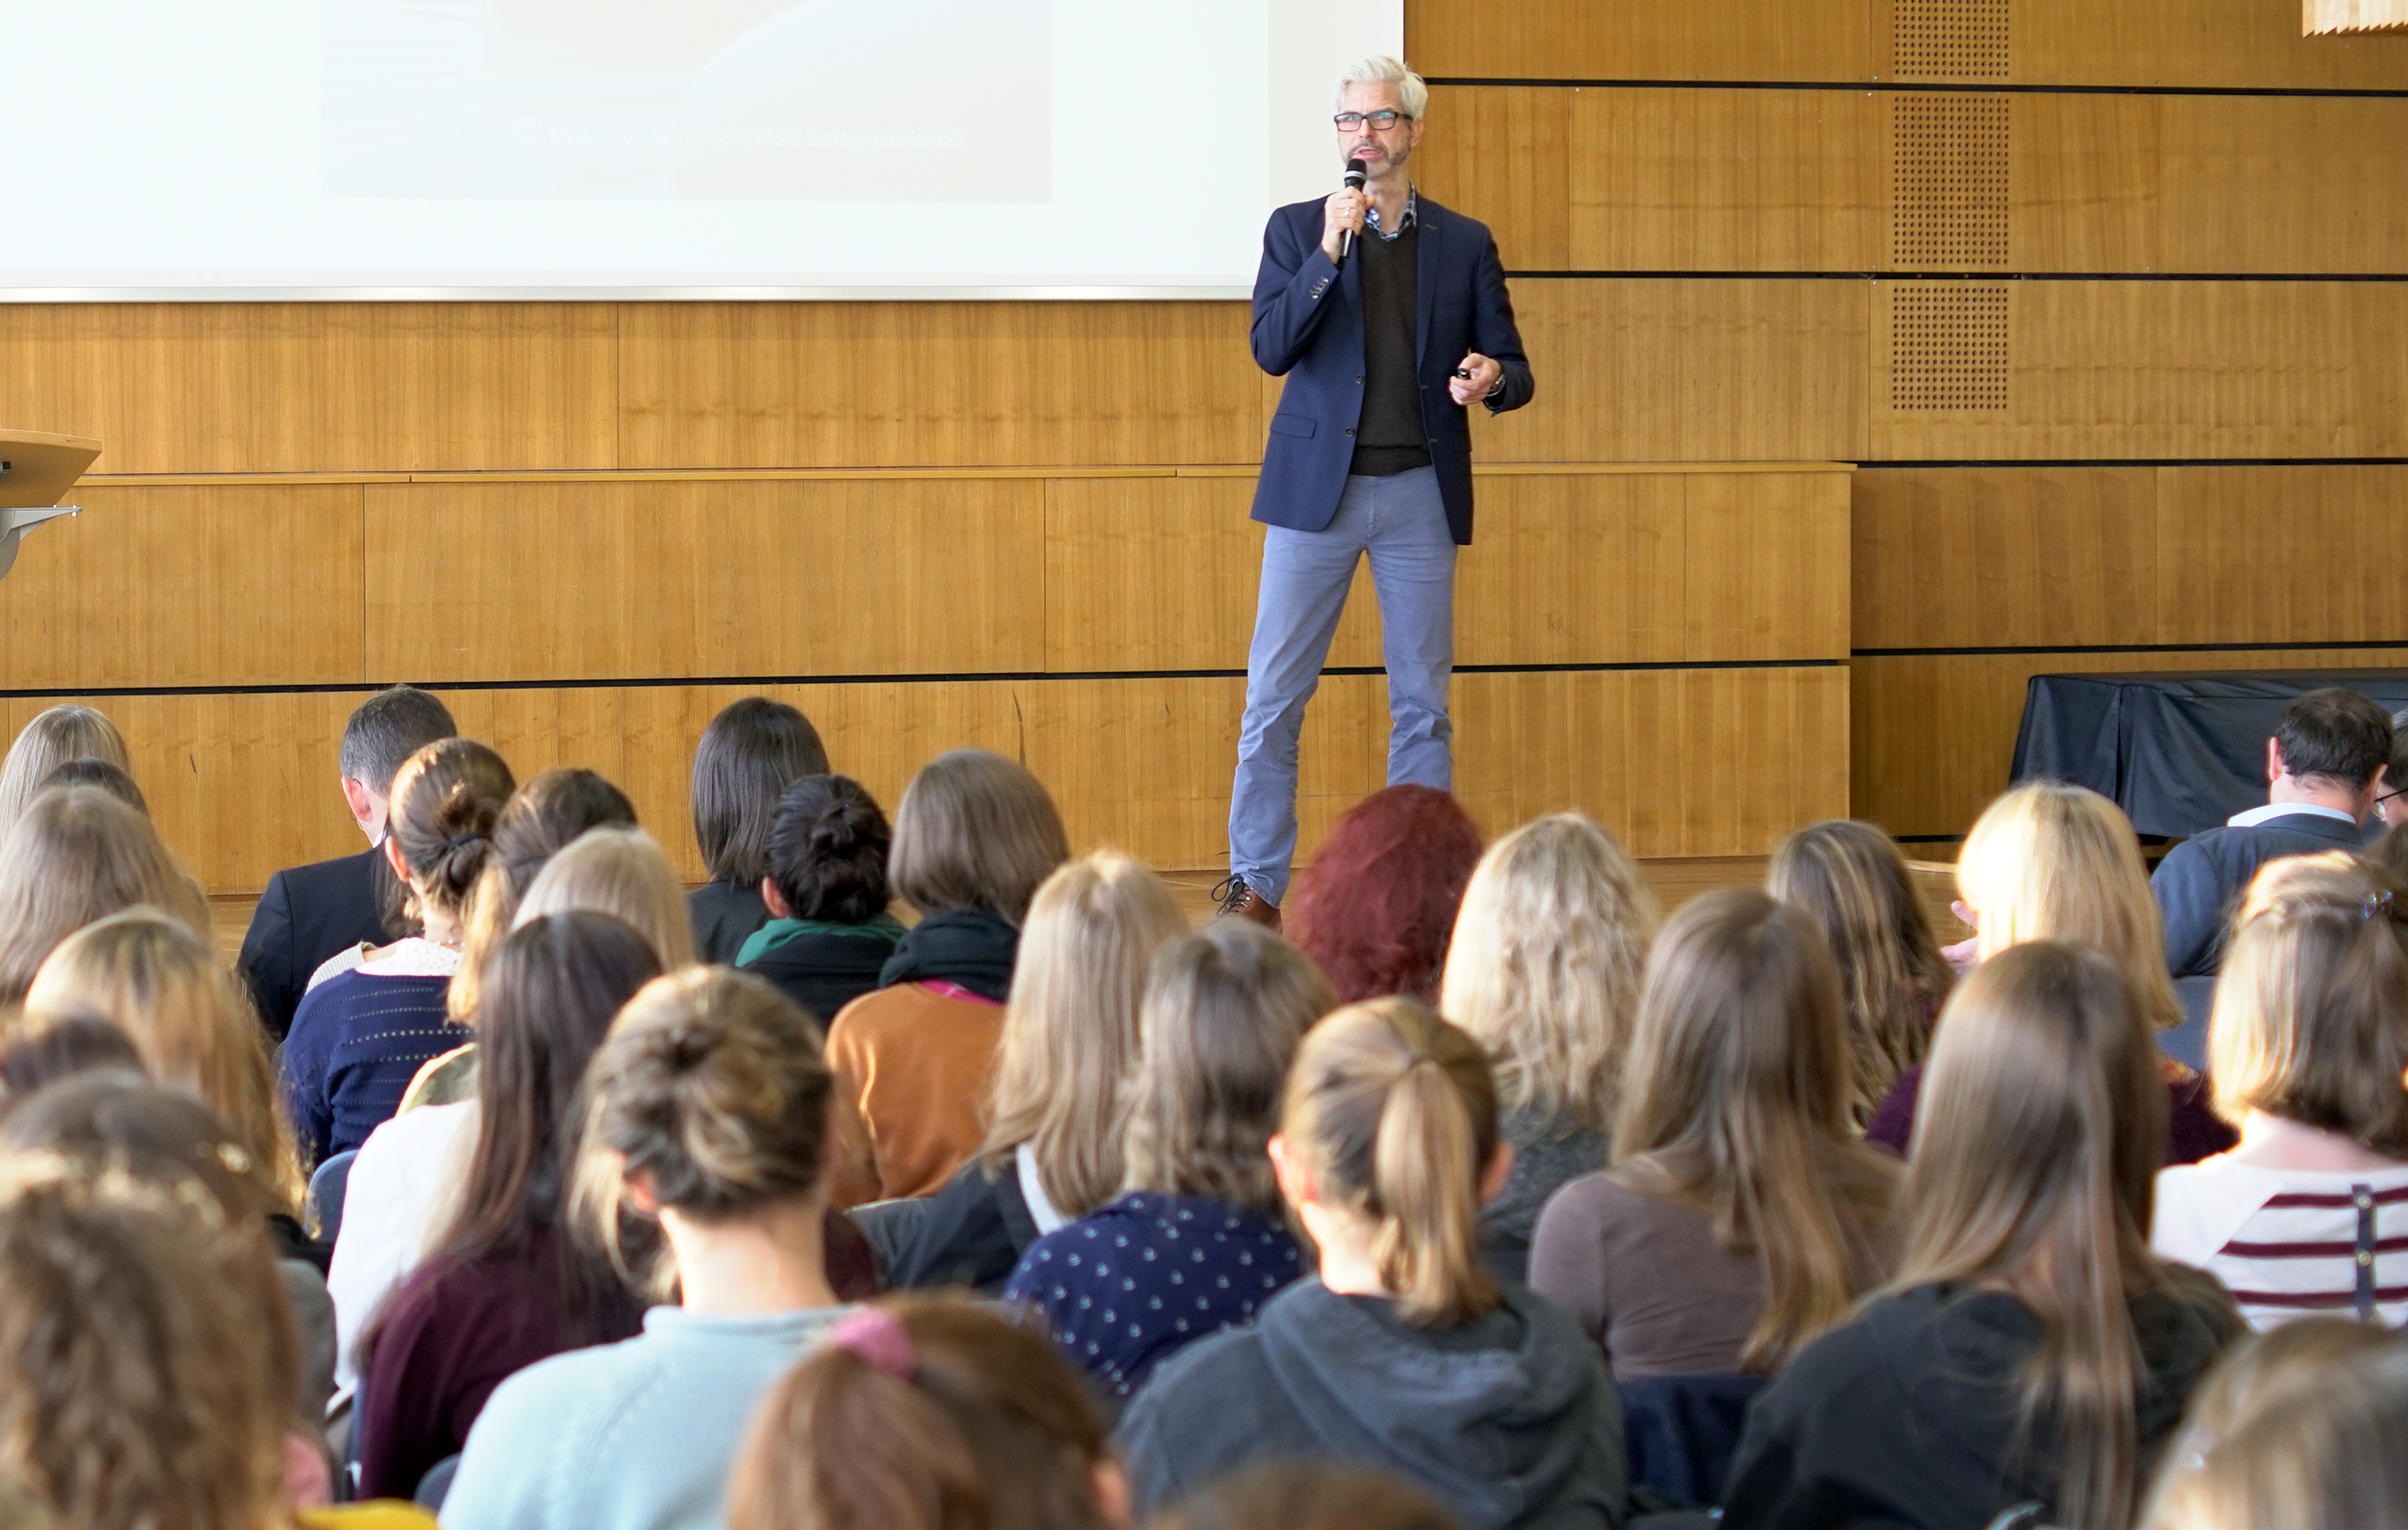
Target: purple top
[2192,1131]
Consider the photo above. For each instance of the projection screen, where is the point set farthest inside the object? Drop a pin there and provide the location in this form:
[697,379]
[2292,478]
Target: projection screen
[583,148]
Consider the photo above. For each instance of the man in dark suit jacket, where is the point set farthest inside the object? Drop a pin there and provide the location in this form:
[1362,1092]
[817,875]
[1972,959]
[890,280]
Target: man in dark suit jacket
[310,912]
[1369,454]
[2322,766]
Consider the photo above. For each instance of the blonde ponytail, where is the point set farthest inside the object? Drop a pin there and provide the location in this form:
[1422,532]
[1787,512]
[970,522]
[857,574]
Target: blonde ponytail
[1397,1110]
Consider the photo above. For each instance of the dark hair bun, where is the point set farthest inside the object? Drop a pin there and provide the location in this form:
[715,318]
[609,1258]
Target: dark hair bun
[827,851]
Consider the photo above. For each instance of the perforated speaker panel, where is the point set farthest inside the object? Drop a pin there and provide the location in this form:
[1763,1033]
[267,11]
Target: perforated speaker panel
[1949,157]
[1949,40]
[1949,346]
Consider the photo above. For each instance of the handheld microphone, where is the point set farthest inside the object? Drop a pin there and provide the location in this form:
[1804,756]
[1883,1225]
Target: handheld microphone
[1355,174]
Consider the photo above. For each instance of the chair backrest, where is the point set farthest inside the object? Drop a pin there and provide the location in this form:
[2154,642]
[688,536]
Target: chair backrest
[2187,1044]
[326,1195]
[1682,1431]
[437,1483]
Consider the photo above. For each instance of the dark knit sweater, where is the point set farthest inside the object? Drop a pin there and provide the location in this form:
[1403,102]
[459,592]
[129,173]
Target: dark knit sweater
[1389,438]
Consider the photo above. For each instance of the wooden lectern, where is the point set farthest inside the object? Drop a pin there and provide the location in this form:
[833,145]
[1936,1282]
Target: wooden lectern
[36,472]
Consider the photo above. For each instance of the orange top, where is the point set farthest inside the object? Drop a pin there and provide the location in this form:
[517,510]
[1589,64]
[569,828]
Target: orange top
[911,1066]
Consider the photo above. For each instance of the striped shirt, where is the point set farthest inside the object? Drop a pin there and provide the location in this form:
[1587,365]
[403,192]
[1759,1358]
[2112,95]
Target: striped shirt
[2290,1243]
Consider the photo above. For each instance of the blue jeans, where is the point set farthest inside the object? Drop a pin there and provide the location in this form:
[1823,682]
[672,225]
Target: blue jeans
[1400,525]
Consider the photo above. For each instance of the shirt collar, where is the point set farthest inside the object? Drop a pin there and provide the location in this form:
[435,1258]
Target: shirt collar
[2255,816]
[1412,215]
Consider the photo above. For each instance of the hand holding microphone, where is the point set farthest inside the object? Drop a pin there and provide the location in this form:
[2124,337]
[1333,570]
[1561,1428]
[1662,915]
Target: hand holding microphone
[1342,215]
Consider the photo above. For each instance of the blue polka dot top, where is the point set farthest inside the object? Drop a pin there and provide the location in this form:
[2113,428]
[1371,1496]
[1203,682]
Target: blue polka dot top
[1123,1288]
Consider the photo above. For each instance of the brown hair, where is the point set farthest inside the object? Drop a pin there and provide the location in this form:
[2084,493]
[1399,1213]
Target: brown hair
[955,1418]
[623,873]
[1544,966]
[78,854]
[63,1047]
[1735,1101]
[1224,1008]
[192,1022]
[2310,1019]
[147,1360]
[1853,882]
[541,820]
[975,831]
[2033,1170]
[1298,1497]
[447,799]
[749,755]
[1397,1112]
[115,780]
[1070,1032]
[711,1086]
[55,736]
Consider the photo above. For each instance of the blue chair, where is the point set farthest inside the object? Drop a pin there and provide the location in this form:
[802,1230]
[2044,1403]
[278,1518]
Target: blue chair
[1682,1431]
[326,1195]
[437,1483]
[2188,1042]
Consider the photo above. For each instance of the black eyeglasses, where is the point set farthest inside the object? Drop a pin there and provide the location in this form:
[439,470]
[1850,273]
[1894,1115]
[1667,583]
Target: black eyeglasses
[1350,122]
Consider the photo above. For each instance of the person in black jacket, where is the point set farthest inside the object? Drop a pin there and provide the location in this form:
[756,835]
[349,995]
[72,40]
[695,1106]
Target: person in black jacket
[829,932]
[2030,1352]
[2323,768]
[310,912]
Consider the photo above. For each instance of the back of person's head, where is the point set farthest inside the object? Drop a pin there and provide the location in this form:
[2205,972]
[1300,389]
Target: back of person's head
[162,1136]
[2333,736]
[62,1047]
[107,774]
[447,801]
[975,831]
[188,1018]
[1544,965]
[55,736]
[554,985]
[2038,1136]
[2047,862]
[625,874]
[749,755]
[1853,882]
[1377,905]
[2311,1021]
[1394,1114]
[2301,1428]
[711,1089]
[75,855]
[1297,1496]
[1070,1032]
[827,851]
[147,1358]
[926,1412]
[543,818]
[1735,1100]
[1224,1008]
[386,729]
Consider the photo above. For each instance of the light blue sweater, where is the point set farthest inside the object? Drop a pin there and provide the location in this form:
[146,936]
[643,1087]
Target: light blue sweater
[635,1436]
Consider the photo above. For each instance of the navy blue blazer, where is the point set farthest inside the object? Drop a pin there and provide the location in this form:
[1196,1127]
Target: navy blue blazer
[2200,882]
[1308,328]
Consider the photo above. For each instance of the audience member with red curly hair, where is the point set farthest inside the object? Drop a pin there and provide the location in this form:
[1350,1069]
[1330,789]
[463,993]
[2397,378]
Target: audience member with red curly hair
[1377,907]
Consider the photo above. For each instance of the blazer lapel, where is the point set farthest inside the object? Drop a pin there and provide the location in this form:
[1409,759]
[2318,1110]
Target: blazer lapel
[1424,277]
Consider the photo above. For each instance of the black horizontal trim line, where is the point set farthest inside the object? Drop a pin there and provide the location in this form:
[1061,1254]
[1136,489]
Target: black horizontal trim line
[2384,645]
[1928,839]
[1875,463]
[985,676]
[2293,276]
[1926,87]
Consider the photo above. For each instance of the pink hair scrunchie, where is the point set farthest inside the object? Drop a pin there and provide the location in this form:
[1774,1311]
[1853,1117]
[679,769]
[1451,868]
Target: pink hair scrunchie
[877,1339]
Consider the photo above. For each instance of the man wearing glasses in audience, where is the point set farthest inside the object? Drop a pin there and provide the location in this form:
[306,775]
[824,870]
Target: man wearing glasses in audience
[1388,316]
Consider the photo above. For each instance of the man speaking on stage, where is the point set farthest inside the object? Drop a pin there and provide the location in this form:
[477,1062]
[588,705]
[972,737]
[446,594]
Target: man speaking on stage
[1388,315]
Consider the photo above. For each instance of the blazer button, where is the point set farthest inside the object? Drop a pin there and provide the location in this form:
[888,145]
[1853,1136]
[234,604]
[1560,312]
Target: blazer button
[1358,382]
[1349,429]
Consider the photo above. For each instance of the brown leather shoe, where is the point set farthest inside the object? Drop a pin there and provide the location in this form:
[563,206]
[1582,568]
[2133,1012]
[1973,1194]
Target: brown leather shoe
[1238,901]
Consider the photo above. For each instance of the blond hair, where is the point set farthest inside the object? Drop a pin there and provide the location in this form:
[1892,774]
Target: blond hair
[55,736]
[2047,862]
[1545,963]
[1224,1008]
[974,830]
[2311,1021]
[78,854]
[191,1023]
[1396,1110]
[623,873]
[2033,1170]
[1853,882]
[1735,1102]
[1070,1032]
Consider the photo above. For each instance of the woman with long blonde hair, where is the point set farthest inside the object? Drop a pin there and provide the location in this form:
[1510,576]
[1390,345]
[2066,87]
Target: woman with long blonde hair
[1405,1353]
[56,736]
[2047,862]
[2029,1326]
[1742,1216]
[1054,1151]
[74,856]
[1543,970]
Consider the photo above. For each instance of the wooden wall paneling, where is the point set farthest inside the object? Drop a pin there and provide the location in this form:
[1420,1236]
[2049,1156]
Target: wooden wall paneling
[2193,43]
[240,585]
[2284,184]
[1664,369]
[1741,40]
[2087,184]
[1724,180]
[232,387]
[1767,567]
[2284,554]
[1575,568]
[2005,557]
[2176,369]
[898,384]
[1501,153]
[647,580]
